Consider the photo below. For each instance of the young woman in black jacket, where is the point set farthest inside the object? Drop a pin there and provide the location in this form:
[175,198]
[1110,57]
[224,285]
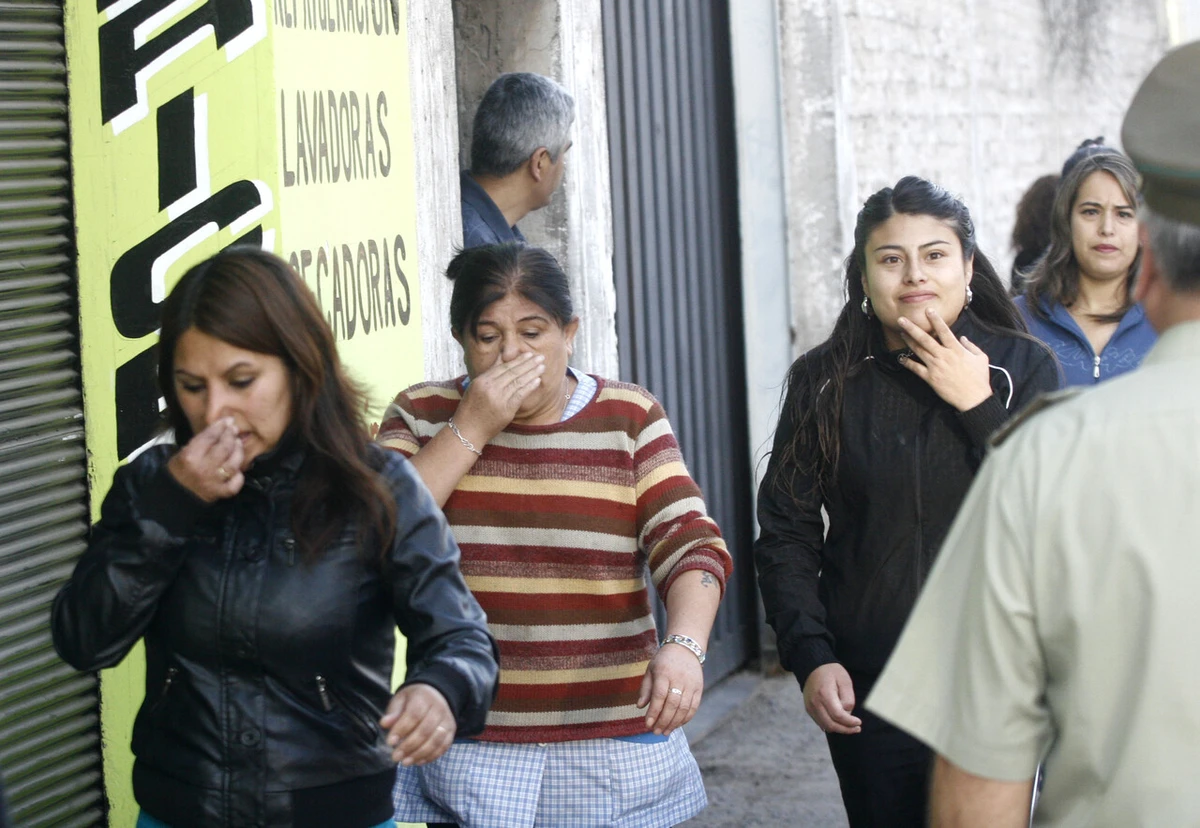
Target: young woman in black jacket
[265,559]
[883,427]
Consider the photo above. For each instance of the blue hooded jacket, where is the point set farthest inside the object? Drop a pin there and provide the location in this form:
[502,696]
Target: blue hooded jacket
[1081,365]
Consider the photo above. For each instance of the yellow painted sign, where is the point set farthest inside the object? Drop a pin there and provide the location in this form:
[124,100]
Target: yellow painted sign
[197,124]
[347,200]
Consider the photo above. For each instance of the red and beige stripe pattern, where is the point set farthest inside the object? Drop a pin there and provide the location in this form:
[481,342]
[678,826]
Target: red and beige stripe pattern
[558,526]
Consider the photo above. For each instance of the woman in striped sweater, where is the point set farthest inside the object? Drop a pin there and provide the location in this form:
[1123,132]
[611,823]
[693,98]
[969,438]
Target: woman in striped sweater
[564,490]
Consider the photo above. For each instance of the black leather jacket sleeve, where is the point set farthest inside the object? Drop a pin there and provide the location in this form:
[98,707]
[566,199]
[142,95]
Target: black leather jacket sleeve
[449,646]
[787,556]
[133,555]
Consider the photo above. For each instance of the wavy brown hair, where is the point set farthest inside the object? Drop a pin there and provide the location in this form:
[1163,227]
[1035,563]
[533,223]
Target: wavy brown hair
[253,300]
[1031,230]
[1055,279]
[817,381]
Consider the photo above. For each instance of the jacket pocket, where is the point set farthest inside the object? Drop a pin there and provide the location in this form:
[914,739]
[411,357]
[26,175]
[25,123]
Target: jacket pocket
[168,681]
[333,702]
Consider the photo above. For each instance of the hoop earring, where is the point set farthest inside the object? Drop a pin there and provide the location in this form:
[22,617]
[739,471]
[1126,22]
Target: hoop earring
[866,306]
[970,295]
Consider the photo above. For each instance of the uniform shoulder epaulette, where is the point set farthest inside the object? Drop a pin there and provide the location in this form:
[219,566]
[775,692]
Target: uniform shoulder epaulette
[1040,403]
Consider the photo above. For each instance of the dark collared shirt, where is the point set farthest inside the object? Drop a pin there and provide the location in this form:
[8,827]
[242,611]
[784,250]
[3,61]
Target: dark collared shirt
[483,223]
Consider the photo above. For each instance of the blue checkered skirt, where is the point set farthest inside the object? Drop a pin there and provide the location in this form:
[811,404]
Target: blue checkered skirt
[594,782]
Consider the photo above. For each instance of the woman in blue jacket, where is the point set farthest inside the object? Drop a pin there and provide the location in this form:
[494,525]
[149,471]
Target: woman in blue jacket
[1077,300]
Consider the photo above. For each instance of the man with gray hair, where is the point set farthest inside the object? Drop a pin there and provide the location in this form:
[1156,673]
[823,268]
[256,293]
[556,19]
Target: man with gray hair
[1060,621]
[518,148]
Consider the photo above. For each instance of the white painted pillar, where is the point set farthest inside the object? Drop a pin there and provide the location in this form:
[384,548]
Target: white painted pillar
[1183,21]
[439,217]
[763,222]
[762,213]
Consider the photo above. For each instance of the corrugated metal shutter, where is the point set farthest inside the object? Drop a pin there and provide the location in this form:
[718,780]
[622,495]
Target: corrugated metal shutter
[49,734]
[675,260]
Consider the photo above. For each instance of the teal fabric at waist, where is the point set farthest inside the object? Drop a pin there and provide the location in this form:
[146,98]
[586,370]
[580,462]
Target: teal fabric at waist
[644,738]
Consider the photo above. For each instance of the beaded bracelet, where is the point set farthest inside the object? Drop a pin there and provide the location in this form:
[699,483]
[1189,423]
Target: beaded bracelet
[684,641]
[467,444]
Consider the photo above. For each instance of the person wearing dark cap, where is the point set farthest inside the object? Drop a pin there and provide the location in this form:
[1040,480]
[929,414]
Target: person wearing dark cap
[1070,574]
[1078,297]
[520,137]
[1086,149]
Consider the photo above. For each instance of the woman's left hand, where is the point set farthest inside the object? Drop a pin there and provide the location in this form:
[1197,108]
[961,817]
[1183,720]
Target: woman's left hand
[419,724]
[954,368]
[672,687]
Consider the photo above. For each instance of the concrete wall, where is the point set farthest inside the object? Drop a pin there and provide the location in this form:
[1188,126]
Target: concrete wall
[561,39]
[980,97]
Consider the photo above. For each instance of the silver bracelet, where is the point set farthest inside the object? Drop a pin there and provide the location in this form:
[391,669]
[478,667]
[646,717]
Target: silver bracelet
[467,444]
[683,641]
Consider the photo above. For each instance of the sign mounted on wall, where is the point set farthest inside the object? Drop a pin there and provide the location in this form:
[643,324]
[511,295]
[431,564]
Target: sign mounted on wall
[200,124]
[347,194]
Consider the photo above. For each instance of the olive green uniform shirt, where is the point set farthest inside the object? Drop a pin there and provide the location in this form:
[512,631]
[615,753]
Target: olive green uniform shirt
[1062,618]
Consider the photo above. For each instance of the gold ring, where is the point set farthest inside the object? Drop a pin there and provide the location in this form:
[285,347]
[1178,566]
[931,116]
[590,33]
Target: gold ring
[224,474]
[676,691]
[440,729]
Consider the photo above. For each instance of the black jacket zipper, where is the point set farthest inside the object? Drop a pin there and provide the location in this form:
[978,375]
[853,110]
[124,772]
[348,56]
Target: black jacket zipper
[323,692]
[172,672]
[330,701]
[920,542]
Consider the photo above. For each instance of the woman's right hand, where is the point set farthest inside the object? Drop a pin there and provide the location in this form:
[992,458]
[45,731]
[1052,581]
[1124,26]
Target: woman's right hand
[210,465]
[829,698]
[956,369]
[493,398]
[419,724]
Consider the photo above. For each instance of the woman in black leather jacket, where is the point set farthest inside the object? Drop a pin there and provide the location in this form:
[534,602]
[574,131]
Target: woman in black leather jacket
[266,560]
[883,428]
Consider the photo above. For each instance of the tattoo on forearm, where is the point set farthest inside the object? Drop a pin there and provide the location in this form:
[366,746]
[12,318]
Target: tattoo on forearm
[707,579]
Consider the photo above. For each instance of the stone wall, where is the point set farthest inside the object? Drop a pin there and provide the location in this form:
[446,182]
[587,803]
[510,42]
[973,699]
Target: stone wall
[980,97]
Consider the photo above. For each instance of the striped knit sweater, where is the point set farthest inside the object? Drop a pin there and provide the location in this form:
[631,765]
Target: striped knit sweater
[558,526]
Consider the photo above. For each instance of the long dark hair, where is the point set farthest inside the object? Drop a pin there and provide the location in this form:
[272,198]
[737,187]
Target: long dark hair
[817,381]
[253,300]
[1055,279]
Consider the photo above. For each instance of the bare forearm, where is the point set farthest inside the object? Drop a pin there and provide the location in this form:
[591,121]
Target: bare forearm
[963,800]
[692,605]
[442,463]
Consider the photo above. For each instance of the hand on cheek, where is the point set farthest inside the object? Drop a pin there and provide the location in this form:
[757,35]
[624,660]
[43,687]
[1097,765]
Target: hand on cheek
[955,368]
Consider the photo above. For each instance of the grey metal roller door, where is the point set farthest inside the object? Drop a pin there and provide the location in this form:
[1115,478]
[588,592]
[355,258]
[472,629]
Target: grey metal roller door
[676,262]
[49,733]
